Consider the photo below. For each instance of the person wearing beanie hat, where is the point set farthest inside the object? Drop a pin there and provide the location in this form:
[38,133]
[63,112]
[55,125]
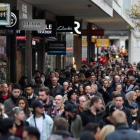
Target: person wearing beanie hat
[40,120]
[72,97]
[74,120]
[107,118]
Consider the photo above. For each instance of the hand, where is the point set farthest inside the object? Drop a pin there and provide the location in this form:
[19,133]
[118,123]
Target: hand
[138,131]
[104,89]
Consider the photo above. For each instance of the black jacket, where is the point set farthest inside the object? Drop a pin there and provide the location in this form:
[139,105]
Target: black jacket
[128,115]
[8,136]
[104,121]
[107,95]
[87,117]
[2,99]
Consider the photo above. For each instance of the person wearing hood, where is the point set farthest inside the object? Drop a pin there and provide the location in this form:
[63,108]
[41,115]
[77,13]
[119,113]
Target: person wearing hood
[93,113]
[44,96]
[107,118]
[107,91]
[11,102]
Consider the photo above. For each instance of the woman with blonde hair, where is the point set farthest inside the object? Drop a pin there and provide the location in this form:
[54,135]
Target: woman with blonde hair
[106,130]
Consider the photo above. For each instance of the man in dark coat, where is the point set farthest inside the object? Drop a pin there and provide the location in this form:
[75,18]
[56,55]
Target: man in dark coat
[122,131]
[93,113]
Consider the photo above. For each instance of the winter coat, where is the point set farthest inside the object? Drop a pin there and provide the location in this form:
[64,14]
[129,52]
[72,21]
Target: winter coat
[107,95]
[47,125]
[55,91]
[123,132]
[87,117]
[76,125]
[9,105]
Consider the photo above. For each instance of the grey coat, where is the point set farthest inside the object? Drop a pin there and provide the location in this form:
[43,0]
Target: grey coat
[123,132]
[9,105]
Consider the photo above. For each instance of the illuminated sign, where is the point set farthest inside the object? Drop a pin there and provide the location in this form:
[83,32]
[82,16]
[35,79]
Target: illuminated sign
[5,14]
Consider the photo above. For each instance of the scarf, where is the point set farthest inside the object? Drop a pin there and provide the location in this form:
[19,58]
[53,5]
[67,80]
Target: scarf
[14,99]
[129,88]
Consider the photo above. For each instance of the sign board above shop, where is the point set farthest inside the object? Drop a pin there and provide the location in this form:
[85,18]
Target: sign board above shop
[65,23]
[32,24]
[5,14]
[50,30]
[102,43]
[14,21]
[56,47]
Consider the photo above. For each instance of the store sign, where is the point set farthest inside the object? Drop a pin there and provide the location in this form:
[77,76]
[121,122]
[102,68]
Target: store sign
[25,10]
[4,14]
[102,43]
[97,32]
[49,31]
[77,27]
[65,23]
[14,21]
[56,48]
[32,24]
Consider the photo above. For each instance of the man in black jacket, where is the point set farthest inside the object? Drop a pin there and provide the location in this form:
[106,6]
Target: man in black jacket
[106,91]
[93,113]
[119,104]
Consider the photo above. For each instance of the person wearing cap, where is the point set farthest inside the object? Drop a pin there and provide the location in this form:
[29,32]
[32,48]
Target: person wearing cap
[133,81]
[74,120]
[107,118]
[41,121]
[134,111]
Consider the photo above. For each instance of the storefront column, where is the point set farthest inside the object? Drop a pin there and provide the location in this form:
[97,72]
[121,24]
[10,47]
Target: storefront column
[77,51]
[89,27]
[93,50]
[58,62]
[13,58]
[134,47]
[28,56]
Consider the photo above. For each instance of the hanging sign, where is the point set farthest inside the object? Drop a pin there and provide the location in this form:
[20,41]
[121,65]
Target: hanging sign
[102,43]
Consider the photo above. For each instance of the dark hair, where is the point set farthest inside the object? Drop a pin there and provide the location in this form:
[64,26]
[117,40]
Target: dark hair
[94,100]
[6,124]
[78,90]
[38,80]
[119,95]
[37,71]
[26,110]
[118,84]
[67,74]
[16,86]
[92,127]
[29,85]
[46,89]
[32,131]
[61,123]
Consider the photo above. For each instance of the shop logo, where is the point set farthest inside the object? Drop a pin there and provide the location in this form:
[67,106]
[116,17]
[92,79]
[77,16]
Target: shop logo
[77,27]
[13,20]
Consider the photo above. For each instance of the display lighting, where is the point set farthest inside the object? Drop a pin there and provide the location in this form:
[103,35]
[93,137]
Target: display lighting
[134,14]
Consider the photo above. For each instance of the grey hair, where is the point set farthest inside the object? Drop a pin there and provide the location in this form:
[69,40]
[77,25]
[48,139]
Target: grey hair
[55,137]
[17,109]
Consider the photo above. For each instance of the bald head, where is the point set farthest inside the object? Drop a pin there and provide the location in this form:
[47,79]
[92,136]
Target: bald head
[58,100]
[4,88]
[82,100]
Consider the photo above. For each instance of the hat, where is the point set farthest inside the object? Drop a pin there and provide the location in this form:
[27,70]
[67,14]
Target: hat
[134,105]
[70,93]
[38,103]
[86,135]
[70,108]
[132,78]
[136,88]
[110,109]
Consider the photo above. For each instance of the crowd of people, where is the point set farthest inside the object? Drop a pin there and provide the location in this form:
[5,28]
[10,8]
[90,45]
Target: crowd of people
[96,103]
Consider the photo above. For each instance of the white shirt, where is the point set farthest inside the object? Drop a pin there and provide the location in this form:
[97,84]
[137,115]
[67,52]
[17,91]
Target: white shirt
[30,97]
[39,125]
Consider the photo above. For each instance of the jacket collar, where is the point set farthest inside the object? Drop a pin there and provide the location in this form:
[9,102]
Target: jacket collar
[121,126]
[62,132]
